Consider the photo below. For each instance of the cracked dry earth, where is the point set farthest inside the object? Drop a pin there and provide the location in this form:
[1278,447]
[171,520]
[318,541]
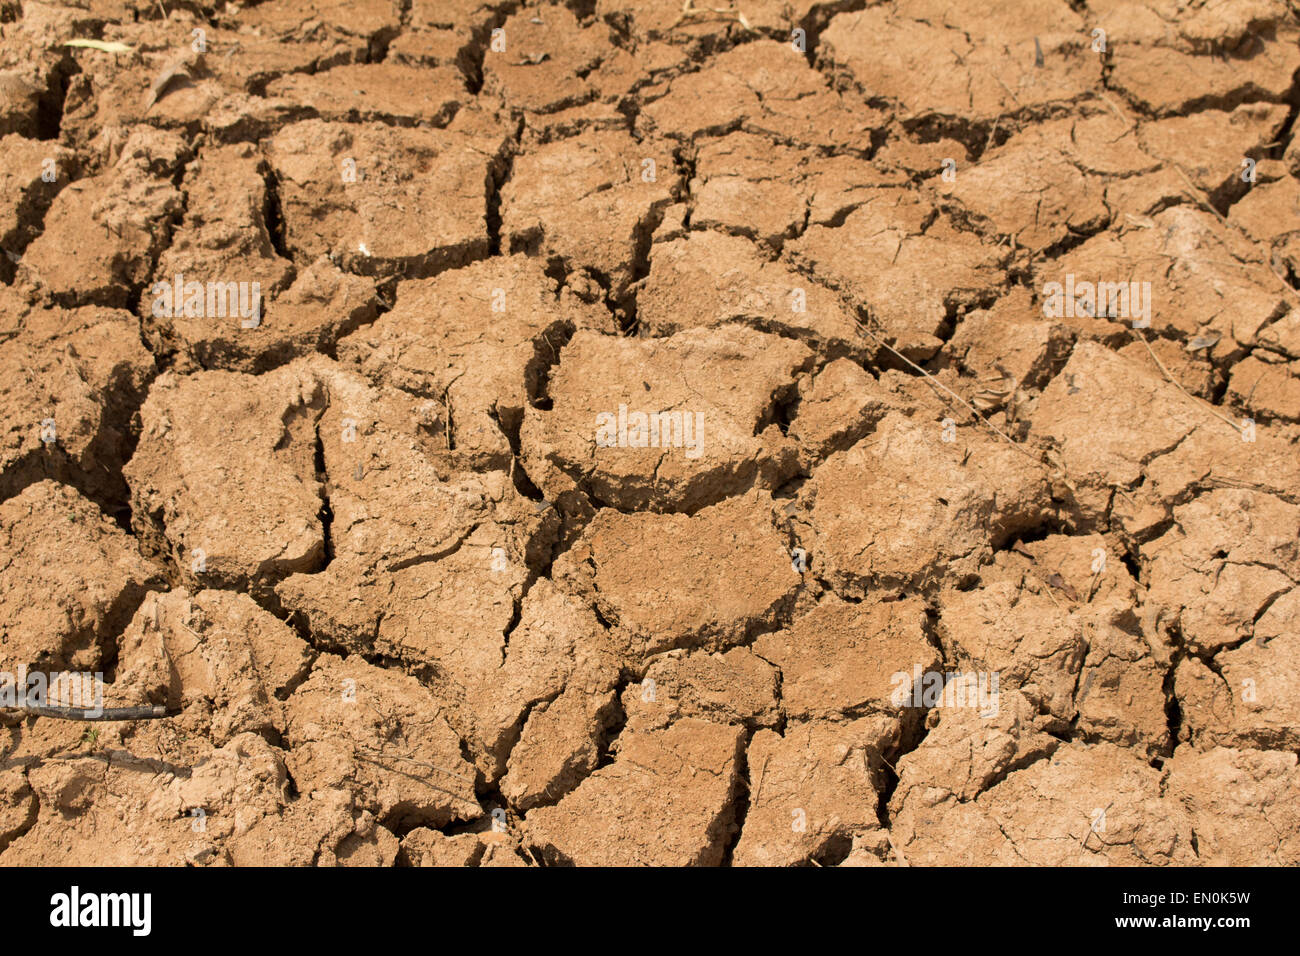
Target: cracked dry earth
[408,596]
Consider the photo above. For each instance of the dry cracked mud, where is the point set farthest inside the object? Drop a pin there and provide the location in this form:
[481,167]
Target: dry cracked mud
[818,432]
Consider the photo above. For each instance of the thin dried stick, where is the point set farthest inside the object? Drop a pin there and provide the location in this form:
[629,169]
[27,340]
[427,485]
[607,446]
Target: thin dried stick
[1047,589]
[1192,398]
[938,384]
[101,713]
[418,763]
[1092,586]
[1282,279]
[1084,842]
[1200,198]
[1198,195]
[759,788]
[1116,110]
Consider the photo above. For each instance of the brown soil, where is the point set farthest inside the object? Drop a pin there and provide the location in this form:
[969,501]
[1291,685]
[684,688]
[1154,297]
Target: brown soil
[640,408]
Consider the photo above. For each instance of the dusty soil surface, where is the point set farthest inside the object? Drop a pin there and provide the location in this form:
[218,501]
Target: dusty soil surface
[613,433]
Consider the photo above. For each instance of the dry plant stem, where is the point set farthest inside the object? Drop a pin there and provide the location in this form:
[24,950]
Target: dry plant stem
[934,381]
[1227,421]
[1115,109]
[1047,590]
[1200,198]
[1197,195]
[104,714]
[420,763]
